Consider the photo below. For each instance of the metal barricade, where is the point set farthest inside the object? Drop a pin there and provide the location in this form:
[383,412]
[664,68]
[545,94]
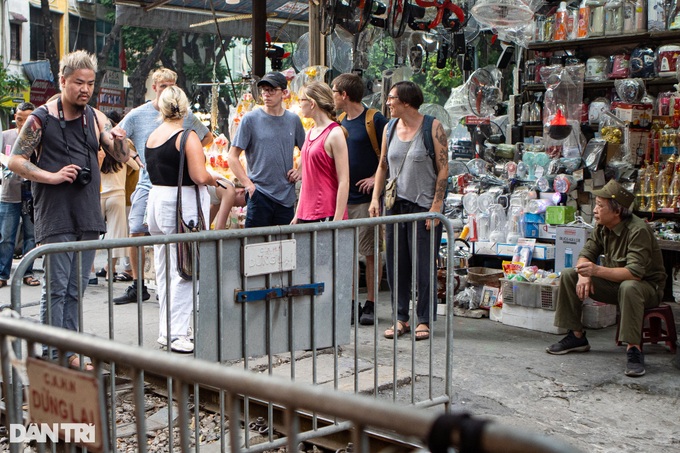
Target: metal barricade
[331,410]
[298,317]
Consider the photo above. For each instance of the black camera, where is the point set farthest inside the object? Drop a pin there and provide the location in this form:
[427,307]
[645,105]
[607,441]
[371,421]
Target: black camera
[84,176]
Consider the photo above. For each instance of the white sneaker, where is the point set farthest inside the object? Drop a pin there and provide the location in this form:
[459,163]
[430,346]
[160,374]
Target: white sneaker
[190,334]
[182,344]
[162,340]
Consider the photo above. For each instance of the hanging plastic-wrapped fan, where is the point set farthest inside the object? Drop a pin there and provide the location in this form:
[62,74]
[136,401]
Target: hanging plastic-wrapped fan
[502,13]
[343,45]
[438,112]
[483,93]
[301,52]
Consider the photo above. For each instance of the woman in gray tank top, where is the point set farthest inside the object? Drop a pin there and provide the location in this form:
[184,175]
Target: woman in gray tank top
[421,178]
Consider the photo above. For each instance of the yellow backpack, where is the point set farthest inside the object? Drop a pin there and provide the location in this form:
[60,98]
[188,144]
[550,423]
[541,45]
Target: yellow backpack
[370,128]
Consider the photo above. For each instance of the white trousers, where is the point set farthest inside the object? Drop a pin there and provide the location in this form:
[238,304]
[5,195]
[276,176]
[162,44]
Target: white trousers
[161,217]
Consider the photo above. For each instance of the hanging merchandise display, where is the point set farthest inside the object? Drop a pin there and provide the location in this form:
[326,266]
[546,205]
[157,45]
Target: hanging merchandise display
[502,13]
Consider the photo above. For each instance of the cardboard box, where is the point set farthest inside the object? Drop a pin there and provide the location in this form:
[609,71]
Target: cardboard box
[546,231]
[597,315]
[484,248]
[569,237]
[505,249]
[530,318]
[544,252]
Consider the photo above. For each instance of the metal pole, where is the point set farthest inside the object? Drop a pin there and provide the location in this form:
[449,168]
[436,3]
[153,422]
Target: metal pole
[259,34]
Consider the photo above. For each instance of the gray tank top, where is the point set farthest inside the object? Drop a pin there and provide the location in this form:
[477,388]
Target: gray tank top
[416,182]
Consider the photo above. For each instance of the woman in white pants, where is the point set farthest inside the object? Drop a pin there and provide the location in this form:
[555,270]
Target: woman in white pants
[162,163]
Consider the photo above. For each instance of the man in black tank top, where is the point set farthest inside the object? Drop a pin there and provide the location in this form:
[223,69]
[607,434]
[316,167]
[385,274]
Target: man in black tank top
[57,150]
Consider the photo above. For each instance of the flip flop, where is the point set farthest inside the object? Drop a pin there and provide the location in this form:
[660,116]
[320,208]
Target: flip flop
[402,328]
[122,277]
[74,362]
[422,332]
[31,281]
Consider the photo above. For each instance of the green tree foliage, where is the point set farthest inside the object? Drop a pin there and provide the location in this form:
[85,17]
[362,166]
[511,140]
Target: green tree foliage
[10,86]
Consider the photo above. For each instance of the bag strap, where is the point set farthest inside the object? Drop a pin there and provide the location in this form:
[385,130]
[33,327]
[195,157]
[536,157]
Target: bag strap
[370,128]
[182,144]
[427,139]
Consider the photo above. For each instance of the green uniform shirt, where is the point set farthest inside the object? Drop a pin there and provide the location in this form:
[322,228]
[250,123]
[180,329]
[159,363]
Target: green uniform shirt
[631,244]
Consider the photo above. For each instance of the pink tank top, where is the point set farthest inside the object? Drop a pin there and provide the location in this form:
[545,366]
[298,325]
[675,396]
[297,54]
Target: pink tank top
[319,179]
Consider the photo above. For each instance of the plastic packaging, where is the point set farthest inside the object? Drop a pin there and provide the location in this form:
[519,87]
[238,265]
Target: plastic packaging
[596,69]
[613,17]
[596,22]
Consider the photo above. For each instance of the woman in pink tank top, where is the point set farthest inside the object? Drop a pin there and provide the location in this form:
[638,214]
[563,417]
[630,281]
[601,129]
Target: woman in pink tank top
[324,159]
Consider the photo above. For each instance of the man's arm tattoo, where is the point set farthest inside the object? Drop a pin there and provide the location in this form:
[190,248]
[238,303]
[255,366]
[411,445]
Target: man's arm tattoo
[27,143]
[116,148]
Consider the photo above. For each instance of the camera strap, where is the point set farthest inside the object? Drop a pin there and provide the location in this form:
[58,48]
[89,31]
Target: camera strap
[62,124]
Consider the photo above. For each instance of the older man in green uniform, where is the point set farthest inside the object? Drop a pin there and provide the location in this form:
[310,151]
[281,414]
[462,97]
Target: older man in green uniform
[631,275]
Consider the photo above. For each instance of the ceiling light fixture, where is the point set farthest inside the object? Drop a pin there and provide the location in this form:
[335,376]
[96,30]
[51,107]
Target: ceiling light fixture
[233,2]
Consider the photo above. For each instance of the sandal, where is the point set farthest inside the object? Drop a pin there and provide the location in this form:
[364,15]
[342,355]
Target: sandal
[74,362]
[122,277]
[31,281]
[422,332]
[402,328]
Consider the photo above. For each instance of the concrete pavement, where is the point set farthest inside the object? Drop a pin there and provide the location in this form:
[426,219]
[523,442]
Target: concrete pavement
[500,372]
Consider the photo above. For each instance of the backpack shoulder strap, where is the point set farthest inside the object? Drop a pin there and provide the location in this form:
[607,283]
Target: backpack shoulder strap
[341,117]
[370,129]
[427,139]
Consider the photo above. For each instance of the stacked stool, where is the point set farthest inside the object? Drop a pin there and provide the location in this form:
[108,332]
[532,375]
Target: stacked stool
[652,329]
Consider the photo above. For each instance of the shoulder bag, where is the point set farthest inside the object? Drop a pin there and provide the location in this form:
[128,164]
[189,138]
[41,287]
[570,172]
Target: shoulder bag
[185,250]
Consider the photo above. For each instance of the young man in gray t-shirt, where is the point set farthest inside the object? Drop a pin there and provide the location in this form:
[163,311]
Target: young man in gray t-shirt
[268,136]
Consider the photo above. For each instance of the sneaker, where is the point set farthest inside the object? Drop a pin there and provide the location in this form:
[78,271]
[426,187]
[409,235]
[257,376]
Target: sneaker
[190,334]
[130,295]
[570,343]
[367,317]
[351,319]
[182,344]
[101,273]
[162,340]
[635,366]
[93,281]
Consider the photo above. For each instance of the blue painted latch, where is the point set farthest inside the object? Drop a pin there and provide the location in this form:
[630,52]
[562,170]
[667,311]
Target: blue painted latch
[311,289]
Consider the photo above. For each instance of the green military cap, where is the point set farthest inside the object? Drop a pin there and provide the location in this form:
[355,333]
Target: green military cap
[615,191]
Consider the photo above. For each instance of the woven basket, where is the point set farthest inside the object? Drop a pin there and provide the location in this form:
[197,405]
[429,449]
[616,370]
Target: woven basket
[480,276]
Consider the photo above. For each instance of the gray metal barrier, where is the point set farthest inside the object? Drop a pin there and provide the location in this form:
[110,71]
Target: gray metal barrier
[279,314]
[188,376]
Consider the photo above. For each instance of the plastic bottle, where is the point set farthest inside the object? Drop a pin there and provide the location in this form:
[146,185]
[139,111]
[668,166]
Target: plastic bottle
[583,20]
[561,22]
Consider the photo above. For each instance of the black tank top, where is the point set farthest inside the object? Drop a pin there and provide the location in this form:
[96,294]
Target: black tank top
[162,163]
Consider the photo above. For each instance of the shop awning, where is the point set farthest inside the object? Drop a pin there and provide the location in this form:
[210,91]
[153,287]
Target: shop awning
[195,16]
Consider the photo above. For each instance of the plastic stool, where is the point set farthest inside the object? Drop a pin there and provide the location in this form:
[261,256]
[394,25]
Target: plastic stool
[653,332]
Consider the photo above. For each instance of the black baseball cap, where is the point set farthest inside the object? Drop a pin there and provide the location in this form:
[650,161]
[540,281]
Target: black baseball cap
[275,79]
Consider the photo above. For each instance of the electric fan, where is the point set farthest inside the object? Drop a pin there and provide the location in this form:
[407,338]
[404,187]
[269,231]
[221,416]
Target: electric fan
[483,93]
[301,52]
[502,13]
[353,15]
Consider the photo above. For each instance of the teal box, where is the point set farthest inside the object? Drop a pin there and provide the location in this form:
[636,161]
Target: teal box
[534,218]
